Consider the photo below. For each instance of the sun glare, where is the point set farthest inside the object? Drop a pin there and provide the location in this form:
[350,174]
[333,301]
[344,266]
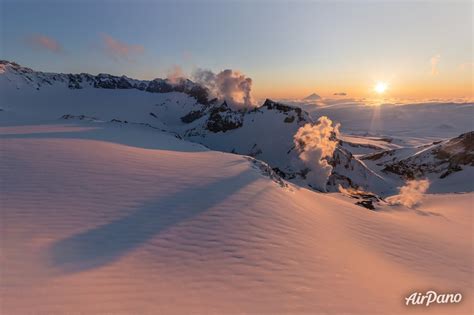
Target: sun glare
[380,87]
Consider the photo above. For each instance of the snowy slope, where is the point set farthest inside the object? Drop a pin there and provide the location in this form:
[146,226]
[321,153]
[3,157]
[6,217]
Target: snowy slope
[451,159]
[21,77]
[267,132]
[360,145]
[21,100]
[101,217]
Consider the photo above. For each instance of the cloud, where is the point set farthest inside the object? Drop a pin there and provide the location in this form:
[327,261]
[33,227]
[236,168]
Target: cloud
[313,106]
[340,94]
[310,105]
[120,50]
[44,42]
[315,143]
[229,85]
[434,64]
[411,194]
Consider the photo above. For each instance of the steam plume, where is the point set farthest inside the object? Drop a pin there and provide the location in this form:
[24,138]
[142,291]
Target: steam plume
[229,85]
[411,194]
[175,74]
[315,143]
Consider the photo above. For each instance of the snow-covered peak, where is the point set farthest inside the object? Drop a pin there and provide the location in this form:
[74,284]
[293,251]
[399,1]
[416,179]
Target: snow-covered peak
[22,77]
[292,112]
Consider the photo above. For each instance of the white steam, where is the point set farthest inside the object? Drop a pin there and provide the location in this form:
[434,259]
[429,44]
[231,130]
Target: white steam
[315,143]
[411,194]
[229,85]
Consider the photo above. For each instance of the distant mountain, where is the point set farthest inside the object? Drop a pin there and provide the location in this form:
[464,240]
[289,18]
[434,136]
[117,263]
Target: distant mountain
[37,79]
[312,97]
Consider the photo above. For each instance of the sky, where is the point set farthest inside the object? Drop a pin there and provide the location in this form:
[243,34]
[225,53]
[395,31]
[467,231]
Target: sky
[420,49]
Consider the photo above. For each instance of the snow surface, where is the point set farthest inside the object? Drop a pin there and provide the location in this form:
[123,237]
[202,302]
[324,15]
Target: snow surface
[92,223]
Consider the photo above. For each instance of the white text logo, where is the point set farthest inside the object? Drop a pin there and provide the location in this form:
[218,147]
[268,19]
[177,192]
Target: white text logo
[431,297]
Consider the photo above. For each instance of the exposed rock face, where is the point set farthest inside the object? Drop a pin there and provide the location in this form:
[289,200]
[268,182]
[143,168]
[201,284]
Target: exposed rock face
[200,93]
[159,86]
[78,117]
[342,158]
[222,118]
[123,83]
[348,171]
[290,111]
[364,198]
[459,150]
[192,116]
[379,155]
[255,151]
[289,119]
[267,171]
[74,82]
[442,159]
[105,81]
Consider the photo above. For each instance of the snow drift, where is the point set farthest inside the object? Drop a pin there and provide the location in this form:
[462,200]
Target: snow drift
[103,217]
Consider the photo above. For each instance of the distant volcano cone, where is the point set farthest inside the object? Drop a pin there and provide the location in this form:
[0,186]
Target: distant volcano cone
[312,97]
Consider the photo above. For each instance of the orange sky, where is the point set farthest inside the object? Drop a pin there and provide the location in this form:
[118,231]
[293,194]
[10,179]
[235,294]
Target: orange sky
[457,83]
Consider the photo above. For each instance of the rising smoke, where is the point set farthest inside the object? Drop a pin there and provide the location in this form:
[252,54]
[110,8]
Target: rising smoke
[175,74]
[411,194]
[315,143]
[229,85]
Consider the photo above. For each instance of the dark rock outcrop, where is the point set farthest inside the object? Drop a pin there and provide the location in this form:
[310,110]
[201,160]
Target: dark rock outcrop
[292,111]
[192,116]
[222,118]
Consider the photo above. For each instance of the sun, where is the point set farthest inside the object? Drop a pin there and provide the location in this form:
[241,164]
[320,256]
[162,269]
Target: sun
[380,87]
